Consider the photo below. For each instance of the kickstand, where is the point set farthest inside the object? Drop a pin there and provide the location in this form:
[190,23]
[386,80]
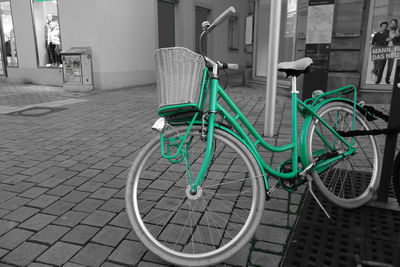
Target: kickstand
[316,199]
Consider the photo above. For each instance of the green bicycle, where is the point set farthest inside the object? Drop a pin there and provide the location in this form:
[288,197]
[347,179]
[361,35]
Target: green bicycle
[196,192]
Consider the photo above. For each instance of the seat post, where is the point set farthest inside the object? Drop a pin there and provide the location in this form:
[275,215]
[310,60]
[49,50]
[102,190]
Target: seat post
[294,85]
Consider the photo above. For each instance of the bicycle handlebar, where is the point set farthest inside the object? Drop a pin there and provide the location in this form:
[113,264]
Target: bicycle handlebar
[230,11]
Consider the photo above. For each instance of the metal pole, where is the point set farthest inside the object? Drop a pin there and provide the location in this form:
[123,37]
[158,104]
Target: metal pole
[273,50]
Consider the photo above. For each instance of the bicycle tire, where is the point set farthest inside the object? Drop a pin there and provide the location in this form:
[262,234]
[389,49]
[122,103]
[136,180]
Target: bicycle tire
[188,251]
[357,184]
[396,177]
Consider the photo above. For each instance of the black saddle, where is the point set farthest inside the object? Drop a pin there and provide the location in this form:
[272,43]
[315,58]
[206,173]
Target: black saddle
[296,68]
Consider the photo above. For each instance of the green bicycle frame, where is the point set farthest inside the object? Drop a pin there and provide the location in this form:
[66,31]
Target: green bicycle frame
[308,110]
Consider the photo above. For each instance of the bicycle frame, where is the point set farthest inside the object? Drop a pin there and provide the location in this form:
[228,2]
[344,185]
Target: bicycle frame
[308,109]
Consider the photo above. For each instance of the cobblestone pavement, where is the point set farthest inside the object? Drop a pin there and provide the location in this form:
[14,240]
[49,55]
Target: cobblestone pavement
[62,178]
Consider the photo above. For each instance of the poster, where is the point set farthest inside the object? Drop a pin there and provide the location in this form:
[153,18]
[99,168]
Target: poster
[383,47]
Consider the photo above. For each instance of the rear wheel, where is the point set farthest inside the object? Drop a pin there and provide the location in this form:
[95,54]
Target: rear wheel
[351,181]
[204,228]
[396,177]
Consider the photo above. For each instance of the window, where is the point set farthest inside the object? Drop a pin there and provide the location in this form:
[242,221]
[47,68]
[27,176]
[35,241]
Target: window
[233,31]
[47,32]
[382,46]
[7,32]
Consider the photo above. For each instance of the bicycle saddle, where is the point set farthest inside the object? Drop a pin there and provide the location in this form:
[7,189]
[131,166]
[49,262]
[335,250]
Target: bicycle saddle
[295,68]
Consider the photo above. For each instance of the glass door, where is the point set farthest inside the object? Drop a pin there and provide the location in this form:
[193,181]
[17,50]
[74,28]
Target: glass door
[8,47]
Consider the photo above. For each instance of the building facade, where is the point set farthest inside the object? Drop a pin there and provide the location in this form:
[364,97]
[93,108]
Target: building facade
[123,35]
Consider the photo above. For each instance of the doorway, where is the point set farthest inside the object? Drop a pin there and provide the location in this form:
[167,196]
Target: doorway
[202,14]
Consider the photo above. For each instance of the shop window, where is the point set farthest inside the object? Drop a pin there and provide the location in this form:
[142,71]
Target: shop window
[382,46]
[233,31]
[47,32]
[8,36]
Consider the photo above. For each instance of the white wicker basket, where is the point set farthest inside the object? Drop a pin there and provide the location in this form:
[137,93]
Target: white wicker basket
[179,74]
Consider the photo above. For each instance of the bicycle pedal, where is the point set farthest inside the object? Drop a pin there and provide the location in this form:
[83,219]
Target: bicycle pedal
[317,200]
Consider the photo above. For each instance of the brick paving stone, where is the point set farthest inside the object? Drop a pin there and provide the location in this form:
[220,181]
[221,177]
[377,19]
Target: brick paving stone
[14,203]
[128,252]
[76,181]
[120,194]
[98,218]
[38,222]
[37,264]
[104,193]
[43,201]
[239,258]
[110,235]
[51,182]
[13,238]
[103,178]
[116,183]
[92,255]
[274,218]
[80,167]
[6,196]
[71,264]
[151,257]
[115,170]
[90,173]
[61,190]
[5,226]
[90,186]
[21,214]
[75,196]
[3,212]
[265,259]
[110,264]
[3,252]
[15,179]
[21,187]
[59,253]
[34,192]
[59,207]
[275,248]
[50,234]
[89,205]
[114,204]
[277,204]
[272,234]
[294,208]
[24,254]
[295,198]
[152,264]
[71,218]
[80,234]
[121,220]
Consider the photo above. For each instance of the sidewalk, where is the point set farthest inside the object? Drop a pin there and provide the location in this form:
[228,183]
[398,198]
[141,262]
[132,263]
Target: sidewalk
[63,168]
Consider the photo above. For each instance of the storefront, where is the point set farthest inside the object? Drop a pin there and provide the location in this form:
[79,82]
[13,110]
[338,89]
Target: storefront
[8,48]
[380,57]
[352,59]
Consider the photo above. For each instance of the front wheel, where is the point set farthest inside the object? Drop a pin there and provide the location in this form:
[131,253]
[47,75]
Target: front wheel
[198,229]
[351,181]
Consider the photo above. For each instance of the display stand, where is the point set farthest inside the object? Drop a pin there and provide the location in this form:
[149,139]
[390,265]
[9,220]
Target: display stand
[390,148]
